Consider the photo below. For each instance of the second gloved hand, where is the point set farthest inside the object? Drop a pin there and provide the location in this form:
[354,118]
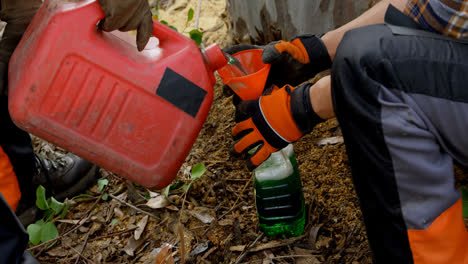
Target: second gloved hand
[126,15]
[296,61]
[272,122]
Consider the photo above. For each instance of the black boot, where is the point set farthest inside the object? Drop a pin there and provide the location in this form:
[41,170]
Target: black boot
[66,176]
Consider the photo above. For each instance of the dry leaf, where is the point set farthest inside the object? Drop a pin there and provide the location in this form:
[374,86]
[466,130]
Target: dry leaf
[172,208]
[157,202]
[268,257]
[203,214]
[313,234]
[153,194]
[200,248]
[164,255]
[132,245]
[141,227]
[69,221]
[310,259]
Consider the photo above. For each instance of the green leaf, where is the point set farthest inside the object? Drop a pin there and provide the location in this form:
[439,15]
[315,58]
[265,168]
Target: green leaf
[101,184]
[34,231]
[186,186]
[105,197]
[464,191]
[174,28]
[190,15]
[164,22]
[49,232]
[196,36]
[41,201]
[166,191]
[147,195]
[65,210]
[56,206]
[198,171]
[114,222]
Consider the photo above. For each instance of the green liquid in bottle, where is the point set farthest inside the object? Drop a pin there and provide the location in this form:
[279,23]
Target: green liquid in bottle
[278,195]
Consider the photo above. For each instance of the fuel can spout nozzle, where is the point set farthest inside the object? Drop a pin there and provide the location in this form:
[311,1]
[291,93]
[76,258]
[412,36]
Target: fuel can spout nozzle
[214,57]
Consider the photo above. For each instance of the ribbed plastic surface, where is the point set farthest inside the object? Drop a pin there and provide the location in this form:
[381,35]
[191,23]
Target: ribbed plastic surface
[94,94]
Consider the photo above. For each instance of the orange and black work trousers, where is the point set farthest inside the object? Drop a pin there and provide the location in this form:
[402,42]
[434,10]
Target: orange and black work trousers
[402,103]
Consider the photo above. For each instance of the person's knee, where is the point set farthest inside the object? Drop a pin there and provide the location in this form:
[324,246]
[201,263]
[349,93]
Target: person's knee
[361,48]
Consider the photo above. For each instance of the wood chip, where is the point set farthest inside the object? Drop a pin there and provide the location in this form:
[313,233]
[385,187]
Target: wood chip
[330,140]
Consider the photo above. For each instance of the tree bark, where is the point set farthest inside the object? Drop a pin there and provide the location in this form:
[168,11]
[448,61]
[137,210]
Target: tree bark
[263,21]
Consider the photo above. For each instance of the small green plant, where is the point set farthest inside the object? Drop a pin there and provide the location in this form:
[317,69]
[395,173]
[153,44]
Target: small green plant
[101,184]
[44,229]
[195,34]
[195,174]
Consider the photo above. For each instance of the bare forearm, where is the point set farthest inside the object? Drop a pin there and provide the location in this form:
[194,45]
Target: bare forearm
[375,15]
[320,92]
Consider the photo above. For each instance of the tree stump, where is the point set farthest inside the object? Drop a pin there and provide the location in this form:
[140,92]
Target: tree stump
[262,21]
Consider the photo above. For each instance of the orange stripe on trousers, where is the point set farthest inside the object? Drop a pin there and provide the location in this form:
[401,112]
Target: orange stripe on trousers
[8,182]
[445,241]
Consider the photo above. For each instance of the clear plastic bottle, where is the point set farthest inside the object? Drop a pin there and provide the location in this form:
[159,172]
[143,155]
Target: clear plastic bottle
[278,195]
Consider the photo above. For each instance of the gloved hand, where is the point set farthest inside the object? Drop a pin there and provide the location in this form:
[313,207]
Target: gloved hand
[18,15]
[291,62]
[126,15]
[272,122]
[227,91]
[296,61]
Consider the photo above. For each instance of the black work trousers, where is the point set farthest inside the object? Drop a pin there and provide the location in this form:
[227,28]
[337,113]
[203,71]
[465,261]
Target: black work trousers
[402,104]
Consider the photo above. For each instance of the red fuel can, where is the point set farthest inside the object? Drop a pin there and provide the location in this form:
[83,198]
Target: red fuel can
[91,92]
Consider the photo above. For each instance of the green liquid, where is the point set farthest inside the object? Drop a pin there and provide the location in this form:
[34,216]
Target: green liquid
[235,63]
[280,202]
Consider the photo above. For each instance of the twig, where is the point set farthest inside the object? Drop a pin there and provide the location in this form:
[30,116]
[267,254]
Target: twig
[133,207]
[198,14]
[209,252]
[212,29]
[232,208]
[294,256]
[237,180]
[76,251]
[272,244]
[180,227]
[114,234]
[82,249]
[182,243]
[243,189]
[246,249]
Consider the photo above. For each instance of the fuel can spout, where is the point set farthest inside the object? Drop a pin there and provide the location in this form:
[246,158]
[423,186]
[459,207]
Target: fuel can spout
[214,57]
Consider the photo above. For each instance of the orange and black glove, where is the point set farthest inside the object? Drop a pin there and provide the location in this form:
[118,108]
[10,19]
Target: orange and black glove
[126,15]
[272,122]
[291,62]
[296,61]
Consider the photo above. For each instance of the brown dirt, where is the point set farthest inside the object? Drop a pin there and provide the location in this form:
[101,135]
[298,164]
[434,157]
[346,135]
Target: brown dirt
[334,234]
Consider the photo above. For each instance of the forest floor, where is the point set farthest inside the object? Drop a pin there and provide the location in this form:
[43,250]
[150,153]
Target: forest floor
[217,223]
